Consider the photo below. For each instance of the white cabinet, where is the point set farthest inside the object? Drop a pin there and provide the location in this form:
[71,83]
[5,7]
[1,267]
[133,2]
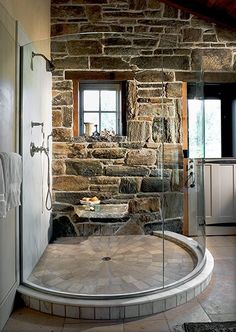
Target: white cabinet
[220,197]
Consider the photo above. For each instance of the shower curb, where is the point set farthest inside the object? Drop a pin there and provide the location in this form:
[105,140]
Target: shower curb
[113,309]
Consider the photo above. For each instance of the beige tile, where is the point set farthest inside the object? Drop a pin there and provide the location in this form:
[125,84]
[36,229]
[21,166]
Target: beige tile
[135,263]
[223,317]
[160,325]
[94,327]
[189,312]
[27,320]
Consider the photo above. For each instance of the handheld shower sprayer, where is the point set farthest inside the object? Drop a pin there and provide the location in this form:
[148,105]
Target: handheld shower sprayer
[36,149]
[49,65]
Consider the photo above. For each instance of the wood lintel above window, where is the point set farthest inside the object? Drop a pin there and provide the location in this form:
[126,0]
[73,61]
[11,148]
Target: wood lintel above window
[99,75]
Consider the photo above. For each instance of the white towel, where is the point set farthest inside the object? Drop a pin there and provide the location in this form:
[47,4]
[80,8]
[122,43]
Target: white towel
[3,203]
[12,171]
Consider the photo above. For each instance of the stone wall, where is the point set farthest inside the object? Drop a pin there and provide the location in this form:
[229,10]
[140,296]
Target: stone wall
[163,47]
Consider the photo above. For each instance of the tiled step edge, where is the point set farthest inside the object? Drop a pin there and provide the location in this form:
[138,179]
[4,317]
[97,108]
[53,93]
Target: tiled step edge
[119,308]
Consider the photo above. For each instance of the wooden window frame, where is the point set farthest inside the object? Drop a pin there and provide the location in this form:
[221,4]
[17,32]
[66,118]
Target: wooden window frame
[94,76]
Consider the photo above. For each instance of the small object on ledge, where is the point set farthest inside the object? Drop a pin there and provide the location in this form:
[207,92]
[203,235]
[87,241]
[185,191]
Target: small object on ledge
[97,208]
[96,133]
[90,201]
[88,128]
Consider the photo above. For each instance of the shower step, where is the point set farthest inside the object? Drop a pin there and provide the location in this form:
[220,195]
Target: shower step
[67,305]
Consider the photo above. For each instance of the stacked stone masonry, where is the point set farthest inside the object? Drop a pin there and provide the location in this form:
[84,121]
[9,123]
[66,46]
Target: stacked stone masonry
[163,46]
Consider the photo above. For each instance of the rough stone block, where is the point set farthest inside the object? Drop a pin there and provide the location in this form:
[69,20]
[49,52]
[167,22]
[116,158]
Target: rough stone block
[63,98]
[211,59]
[192,35]
[62,208]
[174,90]
[126,171]
[170,12]
[149,92]
[101,180]
[121,51]
[139,131]
[150,204]
[58,47]
[83,167]
[63,227]
[105,188]
[103,145]
[71,63]
[109,153]
[58,167]
[67,12]
[137,4]
[129,185]
[71,197]
[61,134]
[109,63]
[116,42]
[141,157]
[56,118]
[154,76]
[154,184]
[77,150]
[62,85]
[131,227]
[60,150]
[93,13]
[63,29]
[154,4]
[67,116]
[84,47]
[70,183]
[173,225]
[167,62]
[161,173]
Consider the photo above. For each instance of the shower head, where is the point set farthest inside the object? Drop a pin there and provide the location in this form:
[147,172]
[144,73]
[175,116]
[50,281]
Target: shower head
[49,65]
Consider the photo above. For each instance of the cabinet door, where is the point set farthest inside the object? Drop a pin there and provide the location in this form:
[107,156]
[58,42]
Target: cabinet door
[220,193]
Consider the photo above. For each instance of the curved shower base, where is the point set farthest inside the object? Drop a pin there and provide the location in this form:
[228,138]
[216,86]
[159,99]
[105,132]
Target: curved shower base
[126,305]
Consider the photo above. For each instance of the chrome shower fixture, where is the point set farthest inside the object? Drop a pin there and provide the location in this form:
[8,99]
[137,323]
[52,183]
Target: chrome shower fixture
[36,124]
[49,65]
[35,149]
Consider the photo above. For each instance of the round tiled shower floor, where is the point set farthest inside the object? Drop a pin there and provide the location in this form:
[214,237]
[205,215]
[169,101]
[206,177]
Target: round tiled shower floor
[111,264]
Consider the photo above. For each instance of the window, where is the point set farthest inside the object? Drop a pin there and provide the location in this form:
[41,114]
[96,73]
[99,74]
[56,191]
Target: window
[212,123]
[100,104]
[216,125]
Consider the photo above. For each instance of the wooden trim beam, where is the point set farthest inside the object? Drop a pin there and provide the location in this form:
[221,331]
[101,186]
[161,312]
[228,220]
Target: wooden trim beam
[99,75]
[75,108]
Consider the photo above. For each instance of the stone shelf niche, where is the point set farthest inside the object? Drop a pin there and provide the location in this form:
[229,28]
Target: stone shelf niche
[138,216]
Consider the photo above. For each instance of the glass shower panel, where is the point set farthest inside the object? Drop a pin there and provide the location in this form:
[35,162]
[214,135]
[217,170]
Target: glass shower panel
[196,134]
[35,127]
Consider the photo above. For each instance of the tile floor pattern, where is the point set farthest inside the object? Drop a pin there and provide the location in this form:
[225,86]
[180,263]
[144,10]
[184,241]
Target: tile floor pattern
[216,303]
[134,264]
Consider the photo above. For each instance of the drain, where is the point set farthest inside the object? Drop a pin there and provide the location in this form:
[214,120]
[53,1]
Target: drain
[106,258]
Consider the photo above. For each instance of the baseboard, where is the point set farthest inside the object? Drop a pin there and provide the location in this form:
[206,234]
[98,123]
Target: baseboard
[220,230]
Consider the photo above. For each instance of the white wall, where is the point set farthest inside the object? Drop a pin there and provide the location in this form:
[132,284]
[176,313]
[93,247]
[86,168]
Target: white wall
[9,225]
